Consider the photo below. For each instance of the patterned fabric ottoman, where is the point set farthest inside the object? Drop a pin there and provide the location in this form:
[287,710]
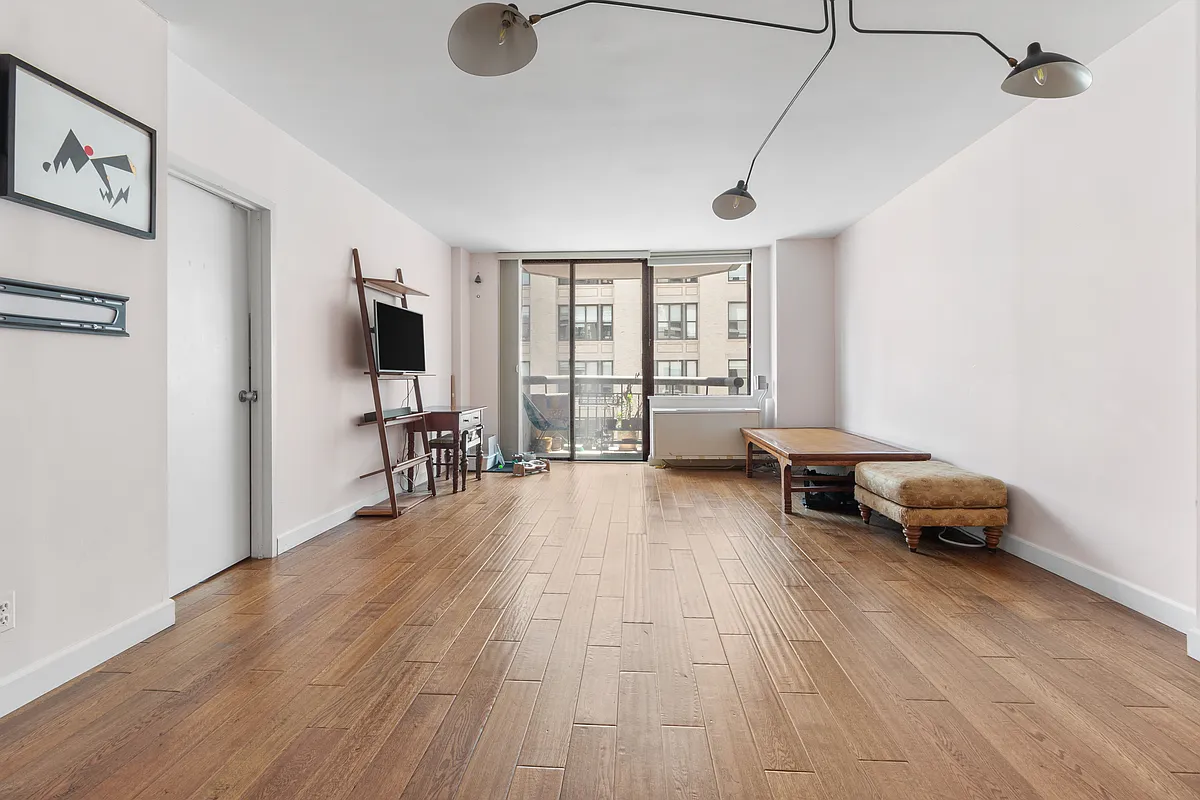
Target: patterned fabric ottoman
[922,494]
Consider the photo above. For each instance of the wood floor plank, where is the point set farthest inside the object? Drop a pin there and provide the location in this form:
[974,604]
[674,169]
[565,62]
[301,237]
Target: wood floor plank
[637,580]
[704,641]
[836,766]
[691,588]
[639,738]
[494,759]
[598,688]
[795,786]
[606,622]
[679,701]
[637,647]
[287,773]
[591,772]
[440,770]
[689,764]
[551,606]
[548,736]
[397,759]
[779,746]
[739,771]
[783,664]
[534,651]
[536,783]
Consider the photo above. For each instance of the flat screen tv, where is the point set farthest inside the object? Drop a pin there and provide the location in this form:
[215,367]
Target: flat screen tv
[399,339]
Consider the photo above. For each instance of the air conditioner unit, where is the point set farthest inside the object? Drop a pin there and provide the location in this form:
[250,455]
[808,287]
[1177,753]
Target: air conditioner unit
[691,428]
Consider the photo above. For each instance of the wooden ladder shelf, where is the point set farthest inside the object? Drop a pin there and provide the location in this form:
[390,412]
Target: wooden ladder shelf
[414,423]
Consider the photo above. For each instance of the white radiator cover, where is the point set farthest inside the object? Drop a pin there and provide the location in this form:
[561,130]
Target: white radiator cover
[700,428]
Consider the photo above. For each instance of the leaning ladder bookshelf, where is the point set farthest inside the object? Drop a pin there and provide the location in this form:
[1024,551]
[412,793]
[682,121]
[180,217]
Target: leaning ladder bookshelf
[413,423]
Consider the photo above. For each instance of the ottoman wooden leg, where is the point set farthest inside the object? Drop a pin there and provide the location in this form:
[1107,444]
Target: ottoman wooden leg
[866,513]
[913,535]
[993,537]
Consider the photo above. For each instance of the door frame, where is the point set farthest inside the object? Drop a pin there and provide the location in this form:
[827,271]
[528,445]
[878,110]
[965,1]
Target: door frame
[260,230]
[647,342]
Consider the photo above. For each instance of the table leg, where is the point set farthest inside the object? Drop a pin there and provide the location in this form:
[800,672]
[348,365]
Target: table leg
[479,455]
[749,460]
[785,472]
[454,461]
[463,464]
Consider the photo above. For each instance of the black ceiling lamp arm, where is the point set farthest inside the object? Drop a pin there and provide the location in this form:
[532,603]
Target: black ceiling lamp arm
[1012,62]
[832,41]
[536,18]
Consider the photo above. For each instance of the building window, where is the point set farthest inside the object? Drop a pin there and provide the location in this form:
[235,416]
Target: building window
[586,281]
[740,368]
[739,323]
[676,369]
[676,321]
[592,323]
[524,278]
[677,280]
[738,274]
[525,369]
[525,323]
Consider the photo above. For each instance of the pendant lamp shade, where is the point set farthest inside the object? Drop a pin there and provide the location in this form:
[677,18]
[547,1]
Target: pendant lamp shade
[492,39]
[1044,75]
[735,203]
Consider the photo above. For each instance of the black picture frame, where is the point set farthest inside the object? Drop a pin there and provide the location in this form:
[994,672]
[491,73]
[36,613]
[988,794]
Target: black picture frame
[9,67]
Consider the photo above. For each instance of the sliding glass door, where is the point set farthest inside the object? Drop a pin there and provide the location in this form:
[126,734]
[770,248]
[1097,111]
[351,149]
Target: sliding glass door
[599,337]
[584,359]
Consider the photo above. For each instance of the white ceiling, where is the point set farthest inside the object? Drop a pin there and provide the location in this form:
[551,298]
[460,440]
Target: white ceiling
[628,123]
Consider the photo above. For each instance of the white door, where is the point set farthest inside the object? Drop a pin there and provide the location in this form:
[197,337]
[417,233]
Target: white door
[208,364]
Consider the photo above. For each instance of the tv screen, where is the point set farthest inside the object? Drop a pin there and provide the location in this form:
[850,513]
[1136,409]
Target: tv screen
[399,339]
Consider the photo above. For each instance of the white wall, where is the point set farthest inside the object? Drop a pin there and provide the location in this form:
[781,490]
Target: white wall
[460,313]
[83,444]
[803,333]
[319,213]
[1028,310]
[484,303]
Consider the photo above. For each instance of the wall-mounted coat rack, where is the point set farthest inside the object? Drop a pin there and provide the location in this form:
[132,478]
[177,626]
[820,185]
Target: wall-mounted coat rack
[41,307]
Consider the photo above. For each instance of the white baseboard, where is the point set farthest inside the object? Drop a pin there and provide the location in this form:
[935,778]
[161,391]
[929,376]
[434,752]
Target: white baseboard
[1194,643]
[30,683]
[1142,600]
[314,528]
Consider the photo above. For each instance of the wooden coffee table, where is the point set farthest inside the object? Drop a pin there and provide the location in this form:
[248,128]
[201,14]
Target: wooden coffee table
[818,447]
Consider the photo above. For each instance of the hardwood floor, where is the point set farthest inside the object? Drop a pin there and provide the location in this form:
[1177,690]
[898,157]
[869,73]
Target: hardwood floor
[620,631]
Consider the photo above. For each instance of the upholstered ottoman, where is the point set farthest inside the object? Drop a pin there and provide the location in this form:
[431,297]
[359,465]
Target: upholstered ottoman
[923,494]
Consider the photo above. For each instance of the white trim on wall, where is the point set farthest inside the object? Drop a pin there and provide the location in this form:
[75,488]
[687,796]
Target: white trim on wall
[30,683]
[1142,600]
[314,528]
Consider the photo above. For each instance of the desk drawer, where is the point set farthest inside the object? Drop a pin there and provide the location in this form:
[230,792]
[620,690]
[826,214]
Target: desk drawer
[470,419]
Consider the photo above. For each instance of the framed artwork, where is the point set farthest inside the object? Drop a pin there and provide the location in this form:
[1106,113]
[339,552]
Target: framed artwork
[68,153]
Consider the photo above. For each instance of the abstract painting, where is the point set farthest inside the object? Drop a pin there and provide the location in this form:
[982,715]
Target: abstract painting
[66,152]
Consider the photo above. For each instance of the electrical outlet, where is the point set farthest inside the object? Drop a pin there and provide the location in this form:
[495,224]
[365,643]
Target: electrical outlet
[8,611]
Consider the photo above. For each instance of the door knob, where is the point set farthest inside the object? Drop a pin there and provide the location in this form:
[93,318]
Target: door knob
[248,396]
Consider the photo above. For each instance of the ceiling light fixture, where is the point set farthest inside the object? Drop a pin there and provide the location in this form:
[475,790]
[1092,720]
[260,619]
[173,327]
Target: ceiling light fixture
[492,39]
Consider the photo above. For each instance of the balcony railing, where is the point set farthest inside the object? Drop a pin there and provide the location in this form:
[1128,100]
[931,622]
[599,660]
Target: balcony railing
[608,414]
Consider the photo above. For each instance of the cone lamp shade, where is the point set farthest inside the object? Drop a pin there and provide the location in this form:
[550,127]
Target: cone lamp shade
[1045,75]
[735,203]
[492,39]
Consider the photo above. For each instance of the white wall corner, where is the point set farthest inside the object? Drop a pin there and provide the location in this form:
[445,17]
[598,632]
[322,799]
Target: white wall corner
[33,681]
[1142,600]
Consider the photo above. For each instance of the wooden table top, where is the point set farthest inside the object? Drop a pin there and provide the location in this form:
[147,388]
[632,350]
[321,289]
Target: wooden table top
[807,444]
[461,408]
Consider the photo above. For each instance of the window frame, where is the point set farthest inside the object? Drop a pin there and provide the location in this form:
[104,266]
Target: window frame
[686,325]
